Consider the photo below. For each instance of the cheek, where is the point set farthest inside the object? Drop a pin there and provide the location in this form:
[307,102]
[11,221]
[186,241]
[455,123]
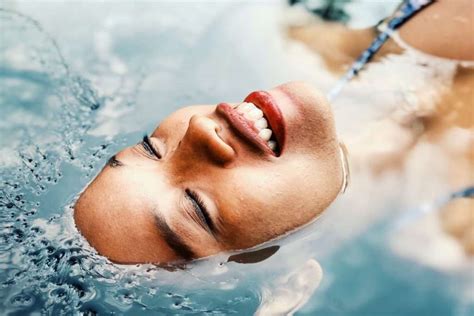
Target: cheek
[287,191]
[258,204]
[267,186]
[314,137]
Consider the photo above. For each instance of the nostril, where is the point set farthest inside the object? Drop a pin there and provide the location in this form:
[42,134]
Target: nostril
[204,135]
[218,131]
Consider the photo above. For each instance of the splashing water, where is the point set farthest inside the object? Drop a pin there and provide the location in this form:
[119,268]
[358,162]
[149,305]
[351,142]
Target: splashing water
[43,267]
[407,10]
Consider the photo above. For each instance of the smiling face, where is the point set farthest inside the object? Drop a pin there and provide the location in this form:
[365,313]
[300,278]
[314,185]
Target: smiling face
[212,178]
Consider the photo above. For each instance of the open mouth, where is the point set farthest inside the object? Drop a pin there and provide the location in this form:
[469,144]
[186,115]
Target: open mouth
[259,120]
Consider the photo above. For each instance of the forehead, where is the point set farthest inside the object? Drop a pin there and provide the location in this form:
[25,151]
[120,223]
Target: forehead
[119,223]
[133,185]
[152,224]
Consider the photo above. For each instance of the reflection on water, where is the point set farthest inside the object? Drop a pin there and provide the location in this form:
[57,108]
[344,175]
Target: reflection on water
[73,93]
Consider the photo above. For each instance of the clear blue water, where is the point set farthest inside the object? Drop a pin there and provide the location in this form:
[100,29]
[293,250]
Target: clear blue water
[78,81]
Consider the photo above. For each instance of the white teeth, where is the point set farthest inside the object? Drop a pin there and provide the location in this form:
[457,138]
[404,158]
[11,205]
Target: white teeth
[245,107]
[265,134]
[249,111]
[272,144]
[254,114]
[261,123]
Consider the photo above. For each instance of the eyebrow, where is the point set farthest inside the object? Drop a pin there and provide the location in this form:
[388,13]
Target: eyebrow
[173,240]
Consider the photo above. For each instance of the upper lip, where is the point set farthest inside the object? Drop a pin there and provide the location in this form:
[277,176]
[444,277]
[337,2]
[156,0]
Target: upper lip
[265,102]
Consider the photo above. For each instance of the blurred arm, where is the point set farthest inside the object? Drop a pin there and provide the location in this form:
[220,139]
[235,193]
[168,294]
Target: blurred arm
[444,29]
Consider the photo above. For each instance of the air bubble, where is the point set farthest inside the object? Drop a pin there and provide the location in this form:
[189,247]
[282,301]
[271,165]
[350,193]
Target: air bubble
[22,299]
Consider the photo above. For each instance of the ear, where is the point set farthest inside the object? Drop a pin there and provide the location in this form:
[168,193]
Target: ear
[254,256]
[288,294]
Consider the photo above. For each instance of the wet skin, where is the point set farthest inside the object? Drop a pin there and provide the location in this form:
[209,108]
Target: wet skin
[199,187]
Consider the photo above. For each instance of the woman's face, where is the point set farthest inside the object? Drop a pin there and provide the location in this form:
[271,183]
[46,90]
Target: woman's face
[210,179]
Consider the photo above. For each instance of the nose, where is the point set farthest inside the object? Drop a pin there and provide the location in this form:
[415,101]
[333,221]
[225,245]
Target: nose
[202,140]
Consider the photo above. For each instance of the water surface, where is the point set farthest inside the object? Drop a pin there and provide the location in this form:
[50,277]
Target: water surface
[79,81]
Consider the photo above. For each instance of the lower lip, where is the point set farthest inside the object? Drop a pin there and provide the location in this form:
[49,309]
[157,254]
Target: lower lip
[243,127]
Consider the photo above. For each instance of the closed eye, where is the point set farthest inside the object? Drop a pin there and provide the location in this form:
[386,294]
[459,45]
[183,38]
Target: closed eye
[200,210]
[149,148]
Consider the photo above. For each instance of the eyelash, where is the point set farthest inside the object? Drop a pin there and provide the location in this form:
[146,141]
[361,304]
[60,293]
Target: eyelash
[148,146]
[198,201]
[113,162]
